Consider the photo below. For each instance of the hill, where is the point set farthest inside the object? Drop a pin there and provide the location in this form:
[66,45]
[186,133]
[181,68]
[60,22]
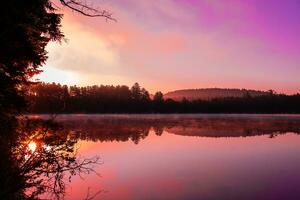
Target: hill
[211,93]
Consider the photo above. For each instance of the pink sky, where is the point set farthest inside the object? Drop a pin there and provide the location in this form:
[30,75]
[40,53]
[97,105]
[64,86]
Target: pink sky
[176,44]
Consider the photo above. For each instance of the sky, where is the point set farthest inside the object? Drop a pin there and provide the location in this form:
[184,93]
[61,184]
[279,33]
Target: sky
[178,44]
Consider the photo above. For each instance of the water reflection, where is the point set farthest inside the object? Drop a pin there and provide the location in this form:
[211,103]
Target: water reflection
[122,128]
[39,156]
[37,159]
[191,157]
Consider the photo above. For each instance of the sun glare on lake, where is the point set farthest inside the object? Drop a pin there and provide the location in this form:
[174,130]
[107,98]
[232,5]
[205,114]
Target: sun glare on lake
[32,146]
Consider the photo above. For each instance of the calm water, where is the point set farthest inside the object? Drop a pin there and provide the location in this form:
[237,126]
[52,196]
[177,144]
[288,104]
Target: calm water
[209,157]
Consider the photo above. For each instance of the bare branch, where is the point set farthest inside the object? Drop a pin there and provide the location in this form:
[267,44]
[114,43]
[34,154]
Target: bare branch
[87,10]
[47,168]
[89,196]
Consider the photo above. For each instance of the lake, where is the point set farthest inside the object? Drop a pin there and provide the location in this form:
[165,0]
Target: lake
[207,157]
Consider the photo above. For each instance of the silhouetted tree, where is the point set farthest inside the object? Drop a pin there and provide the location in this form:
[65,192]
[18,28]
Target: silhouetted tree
[158,97]
[55,98]
[136,92]
[158,102]
[145,96]
[27,27]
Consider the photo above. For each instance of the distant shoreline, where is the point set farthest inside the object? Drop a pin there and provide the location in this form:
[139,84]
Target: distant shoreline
[169,114]
[55,98]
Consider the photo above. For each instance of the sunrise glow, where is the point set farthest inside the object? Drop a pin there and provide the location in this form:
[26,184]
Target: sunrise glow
[140,99]
[167,45]
[32,146]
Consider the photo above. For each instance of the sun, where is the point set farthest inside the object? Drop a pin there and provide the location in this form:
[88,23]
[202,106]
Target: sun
[32,146]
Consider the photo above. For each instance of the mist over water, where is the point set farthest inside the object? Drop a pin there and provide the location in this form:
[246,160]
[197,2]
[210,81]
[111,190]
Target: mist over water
[187,156]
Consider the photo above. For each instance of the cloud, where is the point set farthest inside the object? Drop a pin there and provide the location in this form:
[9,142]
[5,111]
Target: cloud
[83,52]
[170,44]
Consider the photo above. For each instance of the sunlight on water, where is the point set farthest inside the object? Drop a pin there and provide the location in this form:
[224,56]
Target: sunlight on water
[32,146]
[185,156]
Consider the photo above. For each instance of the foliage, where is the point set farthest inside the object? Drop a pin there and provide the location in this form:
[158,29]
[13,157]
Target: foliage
[27,27]
[55,98]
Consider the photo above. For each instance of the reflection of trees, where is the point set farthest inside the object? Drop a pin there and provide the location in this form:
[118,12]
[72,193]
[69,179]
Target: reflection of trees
[235,127]
[136,129]
[28,173]
[106,131]
[158,130]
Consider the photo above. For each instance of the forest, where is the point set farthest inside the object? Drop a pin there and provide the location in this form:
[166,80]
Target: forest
[52,98]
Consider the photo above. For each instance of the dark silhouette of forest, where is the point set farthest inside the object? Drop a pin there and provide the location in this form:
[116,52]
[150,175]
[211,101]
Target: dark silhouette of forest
[121,128]
[27,27]
[56,98]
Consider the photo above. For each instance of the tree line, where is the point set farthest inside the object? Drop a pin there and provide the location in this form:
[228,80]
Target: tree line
[121,129]
[56,98]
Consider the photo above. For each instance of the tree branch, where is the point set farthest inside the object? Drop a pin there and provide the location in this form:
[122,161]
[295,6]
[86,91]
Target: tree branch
[87,10]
